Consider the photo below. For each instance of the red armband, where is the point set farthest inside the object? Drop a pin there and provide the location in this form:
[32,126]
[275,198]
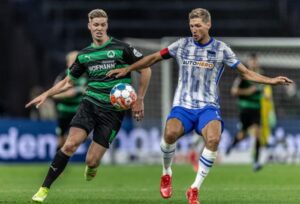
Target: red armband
[165,53]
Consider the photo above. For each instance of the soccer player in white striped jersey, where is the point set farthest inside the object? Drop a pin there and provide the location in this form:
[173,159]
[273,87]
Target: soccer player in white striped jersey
[201,60]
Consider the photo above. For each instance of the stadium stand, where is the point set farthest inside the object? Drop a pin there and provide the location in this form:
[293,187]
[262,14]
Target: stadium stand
[53,27]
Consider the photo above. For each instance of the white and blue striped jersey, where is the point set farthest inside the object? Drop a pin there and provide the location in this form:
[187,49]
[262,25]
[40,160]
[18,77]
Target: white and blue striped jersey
[200,69]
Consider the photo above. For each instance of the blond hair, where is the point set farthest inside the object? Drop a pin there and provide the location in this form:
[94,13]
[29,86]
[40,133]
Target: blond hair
[97,13]
[200,13]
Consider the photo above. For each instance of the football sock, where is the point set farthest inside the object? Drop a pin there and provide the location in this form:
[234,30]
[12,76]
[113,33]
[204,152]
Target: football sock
[168,151]
[235,141]
[205,163]
[57,166]
[256,151]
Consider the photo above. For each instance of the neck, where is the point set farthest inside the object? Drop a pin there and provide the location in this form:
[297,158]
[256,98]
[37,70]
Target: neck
[204,40]
[101,42]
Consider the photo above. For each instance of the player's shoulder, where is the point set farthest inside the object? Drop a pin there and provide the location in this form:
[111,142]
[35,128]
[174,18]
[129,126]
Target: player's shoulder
[119,44]
[219,43]
[86,50]
[183,41]
[118,41]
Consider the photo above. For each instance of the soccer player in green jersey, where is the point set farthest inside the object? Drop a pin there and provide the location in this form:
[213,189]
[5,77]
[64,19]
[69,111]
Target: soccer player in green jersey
[249,97]
[68,101]
[95,112]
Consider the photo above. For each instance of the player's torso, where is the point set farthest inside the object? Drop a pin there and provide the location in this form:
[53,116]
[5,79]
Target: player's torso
[98,61]
[200,69]
[252,101]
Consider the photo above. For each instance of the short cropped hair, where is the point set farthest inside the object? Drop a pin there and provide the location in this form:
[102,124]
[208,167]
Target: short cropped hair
[97,13]
[200,13]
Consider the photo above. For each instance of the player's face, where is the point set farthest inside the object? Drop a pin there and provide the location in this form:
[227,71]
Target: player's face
[199,29]
[98,28]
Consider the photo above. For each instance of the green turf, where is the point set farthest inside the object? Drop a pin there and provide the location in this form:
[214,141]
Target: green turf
[226,184]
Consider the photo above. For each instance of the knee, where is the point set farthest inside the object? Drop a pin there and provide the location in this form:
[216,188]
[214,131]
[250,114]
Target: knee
[213,142]
[171,136]
[69,148]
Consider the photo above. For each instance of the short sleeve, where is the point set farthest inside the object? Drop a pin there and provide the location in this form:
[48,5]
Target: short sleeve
[76,70]
[230,58]
[173,48]
[131,55]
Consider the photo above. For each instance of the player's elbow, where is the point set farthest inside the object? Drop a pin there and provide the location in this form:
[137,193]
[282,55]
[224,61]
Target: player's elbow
[247,75]
[147,71]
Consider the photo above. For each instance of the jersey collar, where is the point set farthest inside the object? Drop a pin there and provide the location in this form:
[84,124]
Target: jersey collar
[204,45]
[103,45]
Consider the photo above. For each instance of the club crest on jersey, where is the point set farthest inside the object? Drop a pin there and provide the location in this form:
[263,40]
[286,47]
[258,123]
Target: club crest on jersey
[137,53]
[210,52]
[200,64]
[87,57]
[111,54]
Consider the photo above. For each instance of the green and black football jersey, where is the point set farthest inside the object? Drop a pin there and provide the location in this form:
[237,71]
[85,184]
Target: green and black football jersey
[252,101]
[96,61]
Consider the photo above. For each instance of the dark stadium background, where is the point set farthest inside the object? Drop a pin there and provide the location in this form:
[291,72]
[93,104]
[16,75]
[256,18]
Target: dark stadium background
[36,34]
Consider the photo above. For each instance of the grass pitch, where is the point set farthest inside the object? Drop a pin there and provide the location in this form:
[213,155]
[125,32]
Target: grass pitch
[226,184]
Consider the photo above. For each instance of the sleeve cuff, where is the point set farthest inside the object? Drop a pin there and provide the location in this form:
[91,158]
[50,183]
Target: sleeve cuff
[70,75]
[235,65]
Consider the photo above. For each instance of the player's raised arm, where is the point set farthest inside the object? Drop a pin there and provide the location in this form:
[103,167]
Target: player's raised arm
[141,64]
[57,88]
[256,77]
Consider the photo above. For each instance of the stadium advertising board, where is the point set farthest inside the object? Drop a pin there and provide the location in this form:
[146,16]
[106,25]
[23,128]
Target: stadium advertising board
[35,141]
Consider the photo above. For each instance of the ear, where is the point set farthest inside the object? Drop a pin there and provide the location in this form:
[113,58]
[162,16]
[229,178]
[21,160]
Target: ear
[89,25]
[208,24]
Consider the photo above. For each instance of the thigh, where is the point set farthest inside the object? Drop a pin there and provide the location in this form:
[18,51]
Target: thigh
[206,116]
[174,128]
[212,134]
[84,117]
[75,138]
[212,128]
[183,118]
[95,151]
[107,126]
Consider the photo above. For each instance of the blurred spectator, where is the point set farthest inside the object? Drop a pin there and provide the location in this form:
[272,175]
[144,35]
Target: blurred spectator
[249,103]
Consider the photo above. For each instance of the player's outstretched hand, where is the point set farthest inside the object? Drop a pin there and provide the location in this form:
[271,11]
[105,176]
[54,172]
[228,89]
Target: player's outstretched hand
[117,72]
[281,80]
[39,100]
